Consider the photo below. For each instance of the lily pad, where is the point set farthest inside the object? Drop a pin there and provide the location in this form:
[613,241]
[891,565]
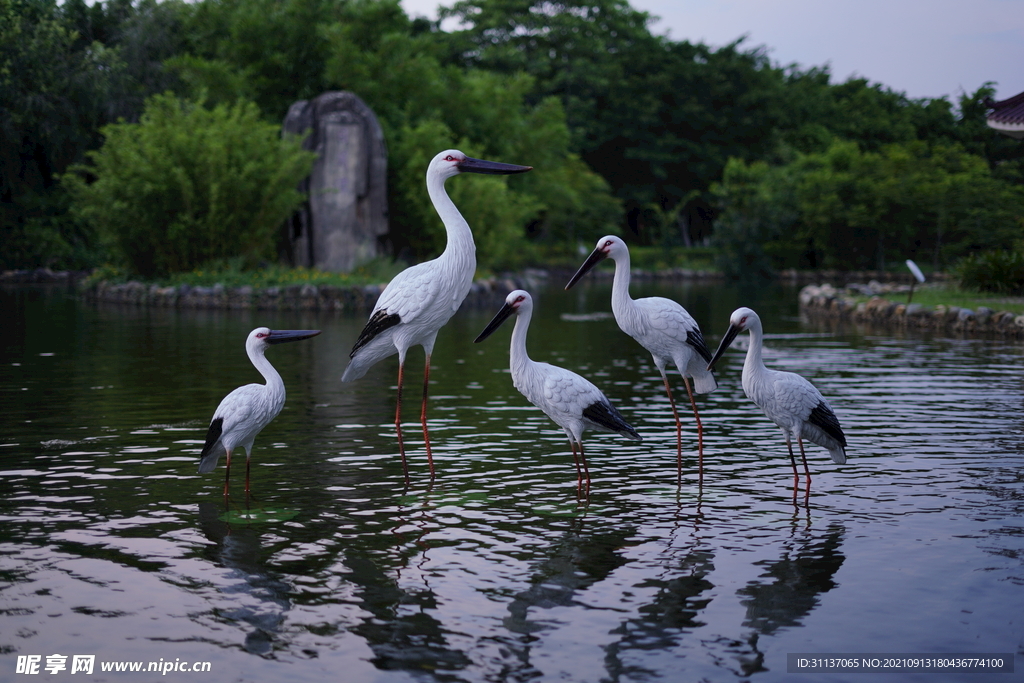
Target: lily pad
[258,515]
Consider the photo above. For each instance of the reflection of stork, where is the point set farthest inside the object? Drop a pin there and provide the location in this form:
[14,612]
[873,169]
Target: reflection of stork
[247,410]
[571,401]
[789,400]
[250,593]
[422,298]
[564,572]
[664,328]
[790,588]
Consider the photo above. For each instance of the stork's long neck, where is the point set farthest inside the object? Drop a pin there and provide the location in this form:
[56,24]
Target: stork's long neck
[460,250]
[519,361]
[753,366]
[275,385]
[622,302]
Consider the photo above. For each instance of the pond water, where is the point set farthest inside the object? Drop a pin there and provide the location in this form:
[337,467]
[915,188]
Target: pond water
[112,545]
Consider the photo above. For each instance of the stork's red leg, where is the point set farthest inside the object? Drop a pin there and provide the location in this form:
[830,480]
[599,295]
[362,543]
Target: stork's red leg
[803,456]
[576,461]
[227,471]
[423,416]
[792,461]
[398,421]
[679,429]
[700,431]
[586,469]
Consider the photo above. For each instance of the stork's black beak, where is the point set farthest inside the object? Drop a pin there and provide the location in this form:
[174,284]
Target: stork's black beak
[282,336]
[730,334]
[496,322]
[595,257]
[471,165]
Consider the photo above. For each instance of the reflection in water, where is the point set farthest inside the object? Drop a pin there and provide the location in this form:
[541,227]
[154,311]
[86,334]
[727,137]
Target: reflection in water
[263,599]
[680,595]
[392,585]
[401,627]
[568,567]
[789,588]
[559,580]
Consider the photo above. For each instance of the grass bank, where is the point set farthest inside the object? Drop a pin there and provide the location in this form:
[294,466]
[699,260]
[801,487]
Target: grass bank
[233,274]
[949,295]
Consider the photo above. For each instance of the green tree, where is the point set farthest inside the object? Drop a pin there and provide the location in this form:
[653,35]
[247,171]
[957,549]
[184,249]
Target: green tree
[756,233]
[273,52]
[52,98]
[65,71]
[188,184]
[426,106]
[656,118]
[850,208]
[277,52]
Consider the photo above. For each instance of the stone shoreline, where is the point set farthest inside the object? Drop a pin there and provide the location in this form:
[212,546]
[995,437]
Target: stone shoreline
[817,302]
[292,298]
[825,302]
[484,292]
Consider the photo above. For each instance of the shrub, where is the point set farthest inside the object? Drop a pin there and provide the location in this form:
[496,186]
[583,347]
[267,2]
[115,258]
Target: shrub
[189,184]
[992,271]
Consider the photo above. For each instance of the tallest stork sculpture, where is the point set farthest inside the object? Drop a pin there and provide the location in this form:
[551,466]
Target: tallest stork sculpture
[422,298]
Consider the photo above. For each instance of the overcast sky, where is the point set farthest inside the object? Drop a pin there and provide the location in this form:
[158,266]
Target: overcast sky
[925,48]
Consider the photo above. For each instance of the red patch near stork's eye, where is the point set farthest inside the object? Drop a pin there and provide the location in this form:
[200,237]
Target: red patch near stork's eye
[261,335]
[449,158]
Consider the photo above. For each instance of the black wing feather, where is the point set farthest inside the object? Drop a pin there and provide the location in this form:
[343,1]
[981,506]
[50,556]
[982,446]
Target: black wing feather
[212,437]
[378,322]
[824,419]
[695,339]
[605,415]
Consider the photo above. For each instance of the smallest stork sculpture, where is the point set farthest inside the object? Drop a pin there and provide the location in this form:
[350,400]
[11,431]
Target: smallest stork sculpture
[248,409]
[571,401]
[789,400]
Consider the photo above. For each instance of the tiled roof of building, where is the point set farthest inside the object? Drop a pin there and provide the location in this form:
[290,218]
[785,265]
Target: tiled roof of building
[1007,116]
[1008,111]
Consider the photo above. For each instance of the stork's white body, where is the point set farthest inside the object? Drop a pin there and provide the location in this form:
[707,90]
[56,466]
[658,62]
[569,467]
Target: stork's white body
[665,329]
[786,398]
[422,298]
[571,401]
[244,412]
[662,326]
[789,400]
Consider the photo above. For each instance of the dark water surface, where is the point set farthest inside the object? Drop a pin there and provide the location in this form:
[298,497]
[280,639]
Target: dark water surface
[112,545]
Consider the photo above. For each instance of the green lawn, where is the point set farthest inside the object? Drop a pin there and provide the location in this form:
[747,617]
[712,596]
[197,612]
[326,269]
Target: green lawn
[231,274]
[949,295]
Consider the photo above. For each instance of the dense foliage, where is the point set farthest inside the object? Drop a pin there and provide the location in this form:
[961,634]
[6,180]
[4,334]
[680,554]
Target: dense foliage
[846,207]
[187,185]
[672,142]
[993,271]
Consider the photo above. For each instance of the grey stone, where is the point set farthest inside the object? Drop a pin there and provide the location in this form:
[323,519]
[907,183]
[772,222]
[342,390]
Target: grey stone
[342,224]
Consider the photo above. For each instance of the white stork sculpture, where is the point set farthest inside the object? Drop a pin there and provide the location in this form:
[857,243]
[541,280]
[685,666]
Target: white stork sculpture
[573,402]
[422,298]
[244,412]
